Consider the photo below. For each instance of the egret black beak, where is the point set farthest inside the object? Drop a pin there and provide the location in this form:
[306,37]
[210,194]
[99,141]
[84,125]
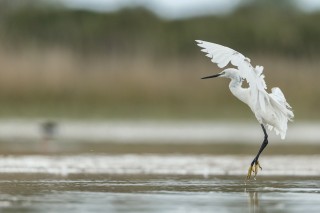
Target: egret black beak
[212,76]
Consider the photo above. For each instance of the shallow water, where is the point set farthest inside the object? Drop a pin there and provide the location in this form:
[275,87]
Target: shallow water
[155,164]
[145,193]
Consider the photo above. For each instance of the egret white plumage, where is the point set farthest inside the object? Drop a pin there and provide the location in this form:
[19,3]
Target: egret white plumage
[270,109]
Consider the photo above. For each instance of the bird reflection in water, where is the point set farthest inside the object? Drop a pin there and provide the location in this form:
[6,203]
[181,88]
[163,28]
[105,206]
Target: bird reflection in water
[253,201]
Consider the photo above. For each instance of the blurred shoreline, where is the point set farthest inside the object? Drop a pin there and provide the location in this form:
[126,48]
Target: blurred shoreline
[152,131]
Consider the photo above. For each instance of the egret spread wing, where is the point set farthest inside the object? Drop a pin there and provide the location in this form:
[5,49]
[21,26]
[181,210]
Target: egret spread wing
[219,54]
[222,55]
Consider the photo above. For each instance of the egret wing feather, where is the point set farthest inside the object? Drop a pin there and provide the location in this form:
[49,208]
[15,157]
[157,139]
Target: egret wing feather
[222,55]
[282,111]
[279,101]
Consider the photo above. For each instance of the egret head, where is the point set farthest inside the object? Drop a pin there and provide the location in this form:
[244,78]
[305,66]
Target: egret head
[227,73]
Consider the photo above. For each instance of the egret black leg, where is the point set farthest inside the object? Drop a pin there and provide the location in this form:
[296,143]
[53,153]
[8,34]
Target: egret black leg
[255,163]
[263,145]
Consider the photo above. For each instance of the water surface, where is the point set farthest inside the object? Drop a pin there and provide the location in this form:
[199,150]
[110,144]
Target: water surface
[154,193]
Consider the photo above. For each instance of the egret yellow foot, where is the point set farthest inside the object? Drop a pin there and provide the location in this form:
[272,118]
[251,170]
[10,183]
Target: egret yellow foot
[253,169]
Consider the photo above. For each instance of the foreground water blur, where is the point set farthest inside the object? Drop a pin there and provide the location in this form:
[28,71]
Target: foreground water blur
[145,193]
[157,183]
[123,167]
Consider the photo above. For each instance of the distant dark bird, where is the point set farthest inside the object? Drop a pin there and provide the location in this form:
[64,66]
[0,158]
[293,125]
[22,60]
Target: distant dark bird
[49,130]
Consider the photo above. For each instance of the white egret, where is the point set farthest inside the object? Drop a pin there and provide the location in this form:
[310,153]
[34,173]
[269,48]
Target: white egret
[270,109]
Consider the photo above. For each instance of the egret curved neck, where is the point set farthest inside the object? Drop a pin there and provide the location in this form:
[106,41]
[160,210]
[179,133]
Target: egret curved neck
[238,91]
[235,83]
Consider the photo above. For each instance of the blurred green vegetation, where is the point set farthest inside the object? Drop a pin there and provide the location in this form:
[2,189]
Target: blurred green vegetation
[262,26]
[74,63]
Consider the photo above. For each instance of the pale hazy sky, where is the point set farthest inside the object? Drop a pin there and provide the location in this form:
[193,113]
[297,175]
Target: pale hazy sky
[176,8]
